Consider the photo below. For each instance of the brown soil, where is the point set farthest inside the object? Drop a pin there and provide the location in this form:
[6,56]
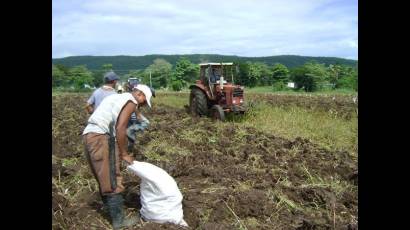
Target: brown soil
[235,177]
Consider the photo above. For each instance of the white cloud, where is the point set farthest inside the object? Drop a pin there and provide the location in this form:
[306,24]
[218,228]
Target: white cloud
[241,27]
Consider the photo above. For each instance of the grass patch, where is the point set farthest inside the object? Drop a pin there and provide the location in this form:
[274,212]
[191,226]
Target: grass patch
[66,162]
[174,100]
[195,136]
[243,186]
[75,185]
[336,185]
[251,222]
[253,161]
[204,216]
[282,200]
[322,128]
[259,89]
[160,150]
[215,189]
[269,89]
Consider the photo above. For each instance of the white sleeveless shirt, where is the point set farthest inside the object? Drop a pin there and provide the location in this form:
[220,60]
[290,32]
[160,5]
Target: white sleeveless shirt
[104,118]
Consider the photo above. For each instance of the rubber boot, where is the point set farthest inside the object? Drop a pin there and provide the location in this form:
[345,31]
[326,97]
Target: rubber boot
[105,205]
[116,210]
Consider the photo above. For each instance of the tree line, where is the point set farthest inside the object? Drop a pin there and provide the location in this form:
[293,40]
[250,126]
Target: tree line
[311,76]
[123,64]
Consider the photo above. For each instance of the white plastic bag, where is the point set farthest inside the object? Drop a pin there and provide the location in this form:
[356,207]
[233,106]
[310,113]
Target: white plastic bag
[161,200]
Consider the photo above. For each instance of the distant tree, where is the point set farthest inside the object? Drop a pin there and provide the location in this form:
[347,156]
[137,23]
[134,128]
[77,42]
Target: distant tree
[107,67]
[298,76]
[348,79]
[63,68]
[310,76]
[355,81]
[263,74]
[334,74]
[185,73]
[256,71]
[160,73]
[98,75]
[342,76]
[249,74]
[280,74]
[59,77]
[80,75]
[242,75]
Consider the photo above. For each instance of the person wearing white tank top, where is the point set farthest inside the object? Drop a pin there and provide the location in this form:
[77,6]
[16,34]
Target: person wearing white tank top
[105,139]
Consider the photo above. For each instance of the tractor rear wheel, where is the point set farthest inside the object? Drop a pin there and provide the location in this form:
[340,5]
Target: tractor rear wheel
[198,103]
[217,113]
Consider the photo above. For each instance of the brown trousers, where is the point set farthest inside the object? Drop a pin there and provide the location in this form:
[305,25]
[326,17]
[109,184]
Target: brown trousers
[106,172]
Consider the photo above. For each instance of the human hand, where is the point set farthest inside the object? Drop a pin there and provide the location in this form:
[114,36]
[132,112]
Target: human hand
[127,158]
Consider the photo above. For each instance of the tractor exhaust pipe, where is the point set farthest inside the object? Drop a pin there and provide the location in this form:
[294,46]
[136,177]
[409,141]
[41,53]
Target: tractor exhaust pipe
[221,82]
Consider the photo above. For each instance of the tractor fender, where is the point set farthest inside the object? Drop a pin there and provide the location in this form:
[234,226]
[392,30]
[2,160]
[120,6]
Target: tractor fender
[201,87]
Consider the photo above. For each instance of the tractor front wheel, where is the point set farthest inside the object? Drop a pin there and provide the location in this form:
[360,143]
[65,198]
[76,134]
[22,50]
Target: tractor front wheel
[198,103]
[217,113]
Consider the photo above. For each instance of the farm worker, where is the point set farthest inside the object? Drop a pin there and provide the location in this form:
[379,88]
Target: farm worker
[215,76]
[110,80]
[105,140]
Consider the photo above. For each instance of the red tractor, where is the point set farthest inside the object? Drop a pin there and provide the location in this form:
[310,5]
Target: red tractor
[212,95]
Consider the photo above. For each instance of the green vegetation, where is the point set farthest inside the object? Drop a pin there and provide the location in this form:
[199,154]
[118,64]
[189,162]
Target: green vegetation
[123,64]
[316,74]
[160,72]
[185,73]
[269,89]
[322,128]
[313,76]
[177,100]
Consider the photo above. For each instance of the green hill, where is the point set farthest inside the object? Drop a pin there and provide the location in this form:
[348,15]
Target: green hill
[122,64]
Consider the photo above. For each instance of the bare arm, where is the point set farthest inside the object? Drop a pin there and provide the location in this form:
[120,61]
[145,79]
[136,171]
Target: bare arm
[90,104]
[121,130]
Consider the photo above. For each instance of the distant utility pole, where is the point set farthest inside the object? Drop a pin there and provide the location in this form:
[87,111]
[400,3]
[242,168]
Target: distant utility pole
[150,82]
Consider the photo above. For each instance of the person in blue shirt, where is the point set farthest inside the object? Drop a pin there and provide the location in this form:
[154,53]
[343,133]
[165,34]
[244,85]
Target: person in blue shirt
[137,123]
[110,80]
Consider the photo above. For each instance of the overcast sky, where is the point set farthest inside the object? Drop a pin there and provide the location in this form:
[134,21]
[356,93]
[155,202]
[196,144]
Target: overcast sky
[250,28]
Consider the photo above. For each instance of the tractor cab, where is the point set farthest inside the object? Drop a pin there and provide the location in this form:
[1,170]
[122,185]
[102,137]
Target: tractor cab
[212,72]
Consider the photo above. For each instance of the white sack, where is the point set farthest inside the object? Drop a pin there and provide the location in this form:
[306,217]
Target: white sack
[161,199]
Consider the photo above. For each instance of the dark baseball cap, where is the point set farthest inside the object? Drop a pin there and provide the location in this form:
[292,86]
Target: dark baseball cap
[111,76]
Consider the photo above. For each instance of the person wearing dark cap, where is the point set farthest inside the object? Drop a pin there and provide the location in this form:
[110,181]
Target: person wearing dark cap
[110,80]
